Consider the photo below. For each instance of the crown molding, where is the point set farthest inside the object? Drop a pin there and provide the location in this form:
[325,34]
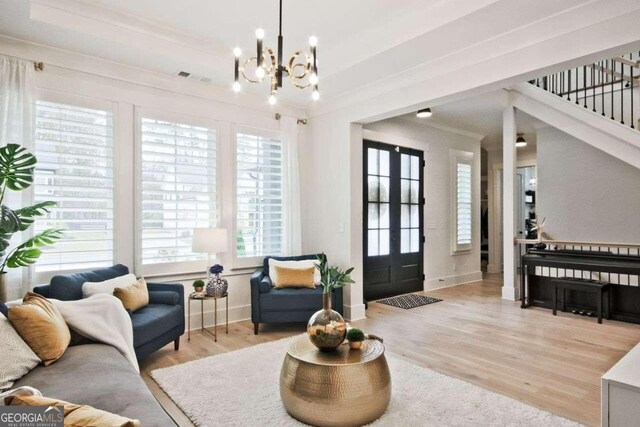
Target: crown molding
[80,63]
[582,34]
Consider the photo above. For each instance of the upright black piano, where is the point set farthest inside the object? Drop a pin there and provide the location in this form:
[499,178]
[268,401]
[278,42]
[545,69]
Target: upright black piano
[539,266]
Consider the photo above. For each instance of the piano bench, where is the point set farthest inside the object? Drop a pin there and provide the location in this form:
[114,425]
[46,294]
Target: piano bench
[581,285]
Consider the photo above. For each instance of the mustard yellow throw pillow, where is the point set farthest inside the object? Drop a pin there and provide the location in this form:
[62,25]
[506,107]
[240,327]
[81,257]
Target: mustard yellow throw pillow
[41,326]
[75,415]
[294,277]
[133,297]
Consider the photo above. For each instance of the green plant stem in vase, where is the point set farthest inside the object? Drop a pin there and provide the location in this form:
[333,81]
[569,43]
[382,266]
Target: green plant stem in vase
[326,328]
[17,168]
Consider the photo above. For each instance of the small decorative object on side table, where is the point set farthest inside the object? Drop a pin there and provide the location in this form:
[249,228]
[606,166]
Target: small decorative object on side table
[326,328]
[202,297]
[198,285]
[217,286]
[337,388]
[355,337]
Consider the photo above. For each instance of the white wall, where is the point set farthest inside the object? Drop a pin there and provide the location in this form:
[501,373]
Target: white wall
[441,267]
[526,156]
[325,181]
[187,99]
[584,193]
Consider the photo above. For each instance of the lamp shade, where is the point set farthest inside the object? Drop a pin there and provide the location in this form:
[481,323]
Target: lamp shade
[209,240]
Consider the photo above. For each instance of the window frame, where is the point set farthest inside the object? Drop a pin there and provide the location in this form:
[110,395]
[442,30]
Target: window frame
[179,267]
[460,157]
[28,197]
[255,261]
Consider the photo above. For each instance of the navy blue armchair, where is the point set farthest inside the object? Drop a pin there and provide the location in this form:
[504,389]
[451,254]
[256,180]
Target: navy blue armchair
[154,326]
[288,305]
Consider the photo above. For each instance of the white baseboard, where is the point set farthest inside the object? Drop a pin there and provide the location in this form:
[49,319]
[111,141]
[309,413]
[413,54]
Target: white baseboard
[242,313]
[510,293]
[236,314]
[447,282]
[354,312]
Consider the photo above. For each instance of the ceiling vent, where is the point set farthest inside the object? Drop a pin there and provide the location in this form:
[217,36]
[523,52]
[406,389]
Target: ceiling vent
[190,76]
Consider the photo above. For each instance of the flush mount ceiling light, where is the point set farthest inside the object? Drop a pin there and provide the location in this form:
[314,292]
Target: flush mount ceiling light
[424,113]
[521,142]
[302,67]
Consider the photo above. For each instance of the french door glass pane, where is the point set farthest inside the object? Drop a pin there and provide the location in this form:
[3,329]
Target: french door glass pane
[372,161]
[384,189]
[373,188]
[405,166]
[384,242]
[373,215]
[405,216]
[372,250]
[415,216]
[405,241]
[384,163]
[415,187]
[415,167]
[405,191]
[384,216]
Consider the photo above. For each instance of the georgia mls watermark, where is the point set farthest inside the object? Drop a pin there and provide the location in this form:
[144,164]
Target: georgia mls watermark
[31,416]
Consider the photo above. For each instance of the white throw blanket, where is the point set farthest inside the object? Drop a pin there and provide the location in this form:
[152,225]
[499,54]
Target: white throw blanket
[101,318]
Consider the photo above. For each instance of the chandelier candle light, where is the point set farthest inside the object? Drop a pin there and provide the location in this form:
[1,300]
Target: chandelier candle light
[302,67]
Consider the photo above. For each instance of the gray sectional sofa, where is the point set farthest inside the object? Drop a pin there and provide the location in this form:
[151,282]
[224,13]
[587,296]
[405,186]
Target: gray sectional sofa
[99,376]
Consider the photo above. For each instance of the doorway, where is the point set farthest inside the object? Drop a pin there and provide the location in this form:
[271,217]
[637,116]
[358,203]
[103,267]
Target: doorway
[393,180]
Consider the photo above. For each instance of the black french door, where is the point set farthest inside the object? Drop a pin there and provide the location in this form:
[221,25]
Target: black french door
[393,199]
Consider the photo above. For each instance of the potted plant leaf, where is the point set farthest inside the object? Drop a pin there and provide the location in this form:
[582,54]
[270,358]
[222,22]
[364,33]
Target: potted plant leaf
[17,168]
[327,328]
[198,285]
[355,337]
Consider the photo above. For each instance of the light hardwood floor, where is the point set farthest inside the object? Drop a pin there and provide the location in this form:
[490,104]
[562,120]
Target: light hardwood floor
[553,363]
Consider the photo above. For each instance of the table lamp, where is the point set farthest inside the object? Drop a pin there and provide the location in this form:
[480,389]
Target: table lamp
[209,241]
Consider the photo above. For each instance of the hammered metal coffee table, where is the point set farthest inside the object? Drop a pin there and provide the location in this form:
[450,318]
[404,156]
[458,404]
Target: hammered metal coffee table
[341,388]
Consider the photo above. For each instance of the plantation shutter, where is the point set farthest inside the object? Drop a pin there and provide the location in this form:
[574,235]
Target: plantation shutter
[463,214]
[74,148]
[178,189]
[259,195]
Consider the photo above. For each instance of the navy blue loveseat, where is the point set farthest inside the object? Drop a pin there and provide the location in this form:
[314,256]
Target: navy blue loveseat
[154,326]
[271,305]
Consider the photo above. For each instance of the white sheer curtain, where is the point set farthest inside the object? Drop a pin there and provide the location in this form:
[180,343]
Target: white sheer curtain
[17,119]
[17,101]
[293,228]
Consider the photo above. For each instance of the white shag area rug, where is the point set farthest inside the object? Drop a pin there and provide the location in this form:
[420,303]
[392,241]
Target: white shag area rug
[241,388]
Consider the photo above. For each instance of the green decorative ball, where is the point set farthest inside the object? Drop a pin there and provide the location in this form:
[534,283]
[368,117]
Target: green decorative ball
[355,334]
[198,283]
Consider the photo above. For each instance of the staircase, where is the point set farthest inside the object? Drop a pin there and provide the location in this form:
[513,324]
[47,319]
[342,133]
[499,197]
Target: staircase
[609,88]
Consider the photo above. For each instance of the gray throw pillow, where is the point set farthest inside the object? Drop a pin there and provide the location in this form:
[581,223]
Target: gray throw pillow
[17,358]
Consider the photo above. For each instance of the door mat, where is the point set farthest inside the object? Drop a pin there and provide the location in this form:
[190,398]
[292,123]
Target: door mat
[409,301]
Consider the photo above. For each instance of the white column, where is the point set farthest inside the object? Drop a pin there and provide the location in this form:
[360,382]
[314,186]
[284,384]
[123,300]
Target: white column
[510,289]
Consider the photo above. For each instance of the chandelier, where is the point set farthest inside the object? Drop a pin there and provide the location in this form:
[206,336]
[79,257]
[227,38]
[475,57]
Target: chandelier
[302,67]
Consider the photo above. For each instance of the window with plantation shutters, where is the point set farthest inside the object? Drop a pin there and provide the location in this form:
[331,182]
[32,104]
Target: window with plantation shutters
[178,189]
[74,147]
[259,195]
[461,166]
